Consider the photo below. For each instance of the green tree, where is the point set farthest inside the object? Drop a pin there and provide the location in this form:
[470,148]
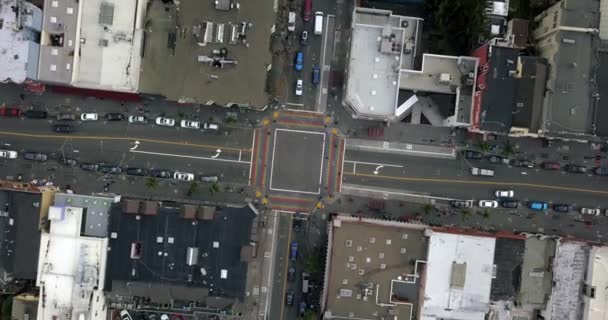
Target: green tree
[508,149]
[313,263]
[485,214]
[192,189]
[427,208]
[7,307]
[459,23]
[311,315]
[465,215]
[484,146]
[151,183]
[214,187]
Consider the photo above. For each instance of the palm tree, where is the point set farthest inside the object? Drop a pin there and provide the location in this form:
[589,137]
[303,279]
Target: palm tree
[484,146]
[485,214]
[508,148]
[427,208]
[215,187]
[151,183]
[192,189]
[465,214]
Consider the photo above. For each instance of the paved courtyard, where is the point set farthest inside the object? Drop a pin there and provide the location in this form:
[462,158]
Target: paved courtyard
[297,161]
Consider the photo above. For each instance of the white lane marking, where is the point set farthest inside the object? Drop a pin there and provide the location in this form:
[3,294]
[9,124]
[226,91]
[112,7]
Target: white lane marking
[252,155]
[269,282]
[406,151]
[342,170]
[383,192]
[187,156]
[295,104]
[240,154]
[295,191]
[307,111]
[374,163]
[301,131]
[274,145]
[322,160]
[354,167]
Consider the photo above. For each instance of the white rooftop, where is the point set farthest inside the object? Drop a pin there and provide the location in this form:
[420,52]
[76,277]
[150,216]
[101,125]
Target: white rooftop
[597,277]
[458,277]
[71,269]
[18,34]
[568,275]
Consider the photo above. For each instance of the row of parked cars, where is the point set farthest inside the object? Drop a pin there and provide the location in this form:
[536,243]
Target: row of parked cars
[523,163]
[506,200]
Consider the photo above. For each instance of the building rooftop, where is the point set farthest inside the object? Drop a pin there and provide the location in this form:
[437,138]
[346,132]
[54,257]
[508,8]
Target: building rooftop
[19,33]
[71,268]
[373,269]
[597,280]
[19,233]
[179,52]
[458,276]
[569,268]
[108,37]
[530,93]
[508,258]
[194,258]
[536,275]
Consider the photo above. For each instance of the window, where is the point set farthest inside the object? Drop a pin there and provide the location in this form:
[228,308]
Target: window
[403,250]
[69,10]
[345,282]
[54,51]
[381,255]
[388,242]
[53,19]
[53,67]
[404,236]
[68,66]
[54,3]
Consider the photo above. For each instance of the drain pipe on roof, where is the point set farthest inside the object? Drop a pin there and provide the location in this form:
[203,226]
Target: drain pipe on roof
[384,304]
[572,29]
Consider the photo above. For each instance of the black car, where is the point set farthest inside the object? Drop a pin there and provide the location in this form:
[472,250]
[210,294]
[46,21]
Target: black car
[164,174]
[110,169]
[291,274]
[137,172]
[35,156]
[114,116]
[460,204]
[573,168]
[601,171]
[89,166]
[523,163]
[289,298]
[511,204]
[66,117]
[561,207]
[63,128]
[495,159]
[473,155]
[36,114]
[69,162]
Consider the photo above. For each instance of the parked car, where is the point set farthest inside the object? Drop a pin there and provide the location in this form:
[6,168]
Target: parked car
[551,166]
[511,204]
[66,117]
[137,119]
[291,273]
[89,117]
[299,87]
[163,174]
[299,61]
[302,309]
[35,156]
[63,128]
[591,211]
[137,172]
[523,163]
[89,166]
[190,124]
[601,171]
[497,159]
[504,193]
[293,251]
[10,112]
[289,297]
[473,155]
[69,162]
[561,207]
[211,126]
[210,179]
[291,21]
[304,38]
[460,204]
[573,168]
[183,176]
[110,169]
[113,116]
[482,172]
[488,204]
[537,205]
[316,74]
[167,122]
[8,154]
[124,315]
[36,114]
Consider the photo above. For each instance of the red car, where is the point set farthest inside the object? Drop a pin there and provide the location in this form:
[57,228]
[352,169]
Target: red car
[551,166]
[10,112]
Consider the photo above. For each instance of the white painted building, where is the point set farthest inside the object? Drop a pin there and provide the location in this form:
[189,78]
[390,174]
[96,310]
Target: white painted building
[20,25]
[459,276]
[595,290]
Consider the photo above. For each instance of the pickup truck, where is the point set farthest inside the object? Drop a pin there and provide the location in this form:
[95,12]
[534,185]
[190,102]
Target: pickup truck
[482,172]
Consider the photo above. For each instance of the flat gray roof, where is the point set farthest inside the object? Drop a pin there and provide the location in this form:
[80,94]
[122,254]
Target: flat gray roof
[170,66]
[536,281]
[367,261]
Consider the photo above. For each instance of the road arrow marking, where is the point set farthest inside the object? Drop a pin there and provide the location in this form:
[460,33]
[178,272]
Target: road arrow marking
[135,146]
[219,151]
[378,169]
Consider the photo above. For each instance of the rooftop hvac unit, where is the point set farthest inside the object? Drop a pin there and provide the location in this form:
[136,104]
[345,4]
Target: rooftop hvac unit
[446,78]
[192,256]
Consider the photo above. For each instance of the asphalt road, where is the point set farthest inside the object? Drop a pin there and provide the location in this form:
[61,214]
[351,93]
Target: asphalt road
[280,264]
[452,179]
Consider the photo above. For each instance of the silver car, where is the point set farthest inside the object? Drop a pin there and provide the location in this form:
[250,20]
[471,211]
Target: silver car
[8,154]
[167,122]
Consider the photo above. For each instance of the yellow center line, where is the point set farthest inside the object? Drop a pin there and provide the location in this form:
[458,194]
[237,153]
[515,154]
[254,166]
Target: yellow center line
[76,137]
[490,183]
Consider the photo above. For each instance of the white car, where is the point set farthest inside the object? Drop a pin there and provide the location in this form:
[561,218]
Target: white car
[488,204]
[211,126]
[591,211]
[167,122]
[89,117]
[183,176]
[9,154]
[299,87]
[124,315]
[504,193]
[190,124]
[138,119]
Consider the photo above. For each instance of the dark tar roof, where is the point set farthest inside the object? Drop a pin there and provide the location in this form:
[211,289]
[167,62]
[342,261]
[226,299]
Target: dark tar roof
[499,92]
[19,233]
[165,239]
[530,93]
[602,88]
[508,258]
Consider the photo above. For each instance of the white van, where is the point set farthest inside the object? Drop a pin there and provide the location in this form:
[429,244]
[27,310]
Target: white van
[318,23]
[291,21]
